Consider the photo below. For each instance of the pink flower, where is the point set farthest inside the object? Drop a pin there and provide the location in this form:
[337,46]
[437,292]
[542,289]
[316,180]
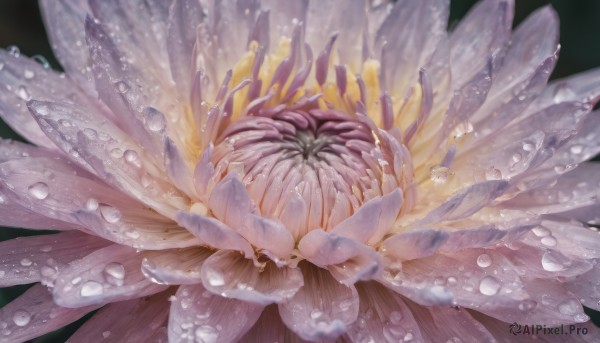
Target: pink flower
[281,170]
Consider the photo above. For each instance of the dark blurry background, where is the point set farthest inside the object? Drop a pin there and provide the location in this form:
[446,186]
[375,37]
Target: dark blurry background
[21,26]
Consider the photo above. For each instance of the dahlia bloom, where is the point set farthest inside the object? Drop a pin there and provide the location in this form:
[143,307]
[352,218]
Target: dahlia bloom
[274,171]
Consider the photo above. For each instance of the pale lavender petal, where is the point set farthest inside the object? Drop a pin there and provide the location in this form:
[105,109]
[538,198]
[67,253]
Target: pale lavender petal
[106,275]
[270,328]
[348,260]
[372,220]
[465,202]
[230,202]
[64,21]
[322,309]
[214,233]
[175,267]
[180,171]
[269,235]
[31,259]
[184,18]
[229,274]
[418,24]
[137,320]
[198,315]
[413,244]
[383,317]
[34,313]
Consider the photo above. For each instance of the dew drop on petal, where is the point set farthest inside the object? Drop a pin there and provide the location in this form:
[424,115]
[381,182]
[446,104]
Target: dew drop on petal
[110,214]
[105,334]
[484,260]
[91,204]
[23,93]
[39,190]
[439,174]
[576,149]
[115,270]
[116,153]
[122,87]
[493,174]
[581,318]
[489,285]
[570,307]
[527,305]
[21,318]
[28,74]
[551,263]
[132,157]
[26,262]
[548,241]
[91,288]
[206,334]
[395,317]
[155,120]
[541,231]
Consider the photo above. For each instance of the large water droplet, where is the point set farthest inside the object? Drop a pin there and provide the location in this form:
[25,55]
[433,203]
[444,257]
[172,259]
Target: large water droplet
[551,263]
[206,334]
[489,285]
[21,318]
[576,149]
[26,262]
[570,307]
[548,241]
[91,288]
[484,260]
[540,231]
[439,174]
[132,157]
[115,270]
[91,204]
[110,214]
[23,93]
[155,120]
[39,190]
[215,279]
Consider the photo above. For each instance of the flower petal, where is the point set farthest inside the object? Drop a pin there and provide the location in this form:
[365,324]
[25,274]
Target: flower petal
[413,244]
[34,313]
[346,259]
[372,220]
[322,309]
[230,202]
[29,259]
[174,267]
[229,274]
[268,234]
[106,275]
[198,315]
[137,320]
[214,233]
[384,317]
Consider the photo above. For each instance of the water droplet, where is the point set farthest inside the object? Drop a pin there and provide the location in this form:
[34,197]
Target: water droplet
[42,110]
[28,74]
[489,285]
[528,146]
[47,271]
[46,248]
[493,174]
[110,214]
[116,153]
[541,231]
[527,305]
[206,334]
[115,270]
[548,241]
[463,129]
[39,190]
[396,317]
[26,262]
[105,334]
[408,337]
[41,60]
[91,288]
[563,93]
[581,318]
[215,279]
[90,133]
[155,120]
[23,93]
[517,157]
[439,174]
[570,307]
[132,157]
[14,51]
[576,149]
[21,318]
[484,260]
[122,87]
[551,263]
[91,204]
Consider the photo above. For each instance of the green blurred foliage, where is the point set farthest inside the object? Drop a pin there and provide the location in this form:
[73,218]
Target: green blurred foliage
[21,25]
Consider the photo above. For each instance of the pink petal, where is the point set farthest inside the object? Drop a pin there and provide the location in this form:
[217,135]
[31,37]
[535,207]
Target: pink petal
[137,320]
[270,235]
[466,202]
[34,313]
[231,275]
[106,275]
[419,24]
[174,267]
[384,317]
[184,18]
[230,202]
[268,328]
[63,21]
[29,259]
[372,220]
[413,244]
[180,171]
[322,309]
[198,315]
[443,324]
[347,260]
[214,233]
